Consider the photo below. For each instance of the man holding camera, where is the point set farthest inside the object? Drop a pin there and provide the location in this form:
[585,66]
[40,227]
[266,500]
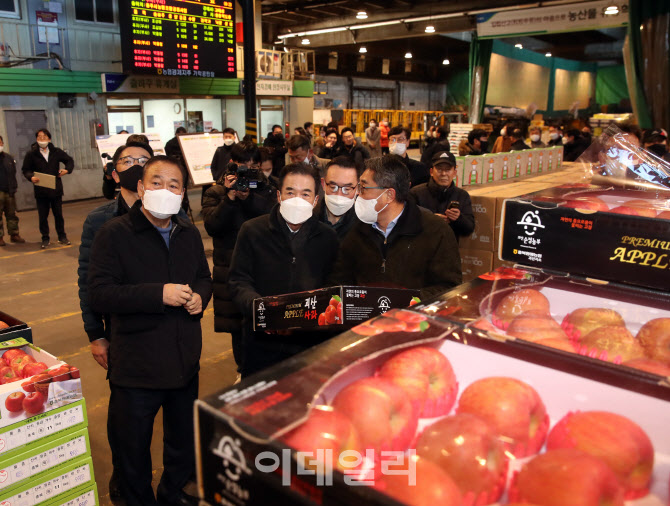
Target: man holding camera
[441,195]
[243,192]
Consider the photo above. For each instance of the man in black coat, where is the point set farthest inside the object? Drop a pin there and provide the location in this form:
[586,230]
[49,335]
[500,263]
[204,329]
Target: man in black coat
[441,196]
[172,147]
[285,251]
[353,149]
[399,138]
[517,141]
[276,142]
[148,270]
[396,243]
[8,187]
[222,154]
[44,157]
[224,211]
[339,186]
[441,143]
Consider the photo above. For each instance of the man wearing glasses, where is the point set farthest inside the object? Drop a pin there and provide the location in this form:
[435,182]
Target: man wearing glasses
[396,243]
[399,138]
[128,163]
[339,185]
[441,195]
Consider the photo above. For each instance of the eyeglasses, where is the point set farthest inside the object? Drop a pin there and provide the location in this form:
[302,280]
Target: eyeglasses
[362,189]
[129,161]
[346,190]
[398,139]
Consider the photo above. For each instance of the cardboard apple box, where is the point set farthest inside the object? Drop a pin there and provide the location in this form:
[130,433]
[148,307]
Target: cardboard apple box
[16,329]
[86,497]
[60,393]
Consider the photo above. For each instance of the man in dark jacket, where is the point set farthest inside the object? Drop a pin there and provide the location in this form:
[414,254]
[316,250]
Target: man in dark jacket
[285,251]
[574,145]
[127,164]
[224,211]
[399,138]
[476,144]
[276,142]
[172,147]
[300,151]
[148,270]
[8,187]
[353,149]
[339,186]
[441,143]
[441,196]
[44,157]
[517,141]
[222,154]
[397,243]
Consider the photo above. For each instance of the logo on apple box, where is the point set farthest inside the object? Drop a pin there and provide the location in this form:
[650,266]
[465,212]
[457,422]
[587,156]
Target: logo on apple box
[384,303]
[261,307]
[530,222]
[3,475]
[232,456]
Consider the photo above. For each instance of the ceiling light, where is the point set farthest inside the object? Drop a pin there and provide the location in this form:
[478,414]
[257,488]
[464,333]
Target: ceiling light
[518,46]
[362,49]
[430,29]
[362,15]
[305,42]
[547,55]
[408,55]
[612,10]
[445,61]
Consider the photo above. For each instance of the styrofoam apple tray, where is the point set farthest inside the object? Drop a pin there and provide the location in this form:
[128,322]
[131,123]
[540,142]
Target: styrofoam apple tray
[561,393]
[562,302]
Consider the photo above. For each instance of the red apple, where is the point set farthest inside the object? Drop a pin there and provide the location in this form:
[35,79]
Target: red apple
[588,203]
[331,315]
[366,329]
[534,326]
[583,320]
[60,373]
[380,412]
[14,402]
[517,302]
[654,336]
[326,430]
[7,375]
[649,365]
[664,215]
[389,324]
[643,207]
[20,362]
[468,449]
[514,410]
[632,211]
[613,438]
[41,383]
[32,369]
[3,325]
[406,316]
[34,402]
[614,344]
[74,372]
[431,487]
[427,378]
[9,355]
[567,477]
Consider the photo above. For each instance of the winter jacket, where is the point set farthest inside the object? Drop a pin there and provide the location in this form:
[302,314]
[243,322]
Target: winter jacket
[435,147]
[8,167]
[418,172]
[373,137]
[35,162]
[420,253]
[467,149]
[153,345]
[358,153]
[278,146]
[502,144]
[519,145]
[343,225]
[437,198]
[223,219]
[220,161]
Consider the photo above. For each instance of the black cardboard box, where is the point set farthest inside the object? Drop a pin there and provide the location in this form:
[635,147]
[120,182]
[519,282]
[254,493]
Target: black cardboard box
[17,329]
[604,233]
[351,306]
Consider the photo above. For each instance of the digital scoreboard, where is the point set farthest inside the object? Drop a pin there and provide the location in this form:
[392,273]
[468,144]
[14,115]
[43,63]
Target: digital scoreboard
[178,37]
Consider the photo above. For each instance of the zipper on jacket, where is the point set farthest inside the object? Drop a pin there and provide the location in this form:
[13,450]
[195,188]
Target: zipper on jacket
[384,265]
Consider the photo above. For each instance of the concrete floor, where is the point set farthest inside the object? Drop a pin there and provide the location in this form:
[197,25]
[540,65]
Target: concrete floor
[40,287]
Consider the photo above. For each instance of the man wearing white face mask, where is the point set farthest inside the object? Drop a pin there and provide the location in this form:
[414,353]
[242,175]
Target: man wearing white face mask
[149,272]
[222,154]
[339,185]
[373,136]
[534,140]
[287,251]
[399,138]
[397,243]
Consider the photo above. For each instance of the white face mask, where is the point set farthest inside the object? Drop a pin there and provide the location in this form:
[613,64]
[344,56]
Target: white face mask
[338,204]
[503,132]
[306,160]
[268,173]
[228,142]
[43,144]
[365,209]
[372,125]
[397,148]
[296,210]
[534,137]
[161,203]
[2,148]
[553,136]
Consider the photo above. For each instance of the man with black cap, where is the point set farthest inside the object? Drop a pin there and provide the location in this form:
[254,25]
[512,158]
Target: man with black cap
[441,195]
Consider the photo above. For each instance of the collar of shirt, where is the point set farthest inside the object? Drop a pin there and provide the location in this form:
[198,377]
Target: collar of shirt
[291,230]
[45,153]
[390,226]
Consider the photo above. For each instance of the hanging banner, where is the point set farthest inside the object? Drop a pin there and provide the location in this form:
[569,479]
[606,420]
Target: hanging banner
[561,18]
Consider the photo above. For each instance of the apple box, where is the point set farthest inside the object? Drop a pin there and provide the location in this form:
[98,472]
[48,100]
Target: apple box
[14,328]
[243,457]
[85,497]
[322,308]
[620,235]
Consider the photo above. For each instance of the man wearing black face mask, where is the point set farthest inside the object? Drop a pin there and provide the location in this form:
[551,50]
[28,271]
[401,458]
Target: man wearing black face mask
[656,142]
[128,163]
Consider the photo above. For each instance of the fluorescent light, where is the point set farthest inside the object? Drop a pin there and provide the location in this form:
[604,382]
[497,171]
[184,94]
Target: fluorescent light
[547,55]
[375,25]
[285,49]
[362,15]
[313,32]
[430,29]
[611,10]
[445,61]
[518,46]
[363,49]
[305,42]
[408,55]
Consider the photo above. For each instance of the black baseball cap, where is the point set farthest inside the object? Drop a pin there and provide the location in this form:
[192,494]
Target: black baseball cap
[444,157]
[657,135]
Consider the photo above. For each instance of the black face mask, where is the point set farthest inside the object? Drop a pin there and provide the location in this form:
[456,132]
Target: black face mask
[484,146]
[658,149]
[130,177]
